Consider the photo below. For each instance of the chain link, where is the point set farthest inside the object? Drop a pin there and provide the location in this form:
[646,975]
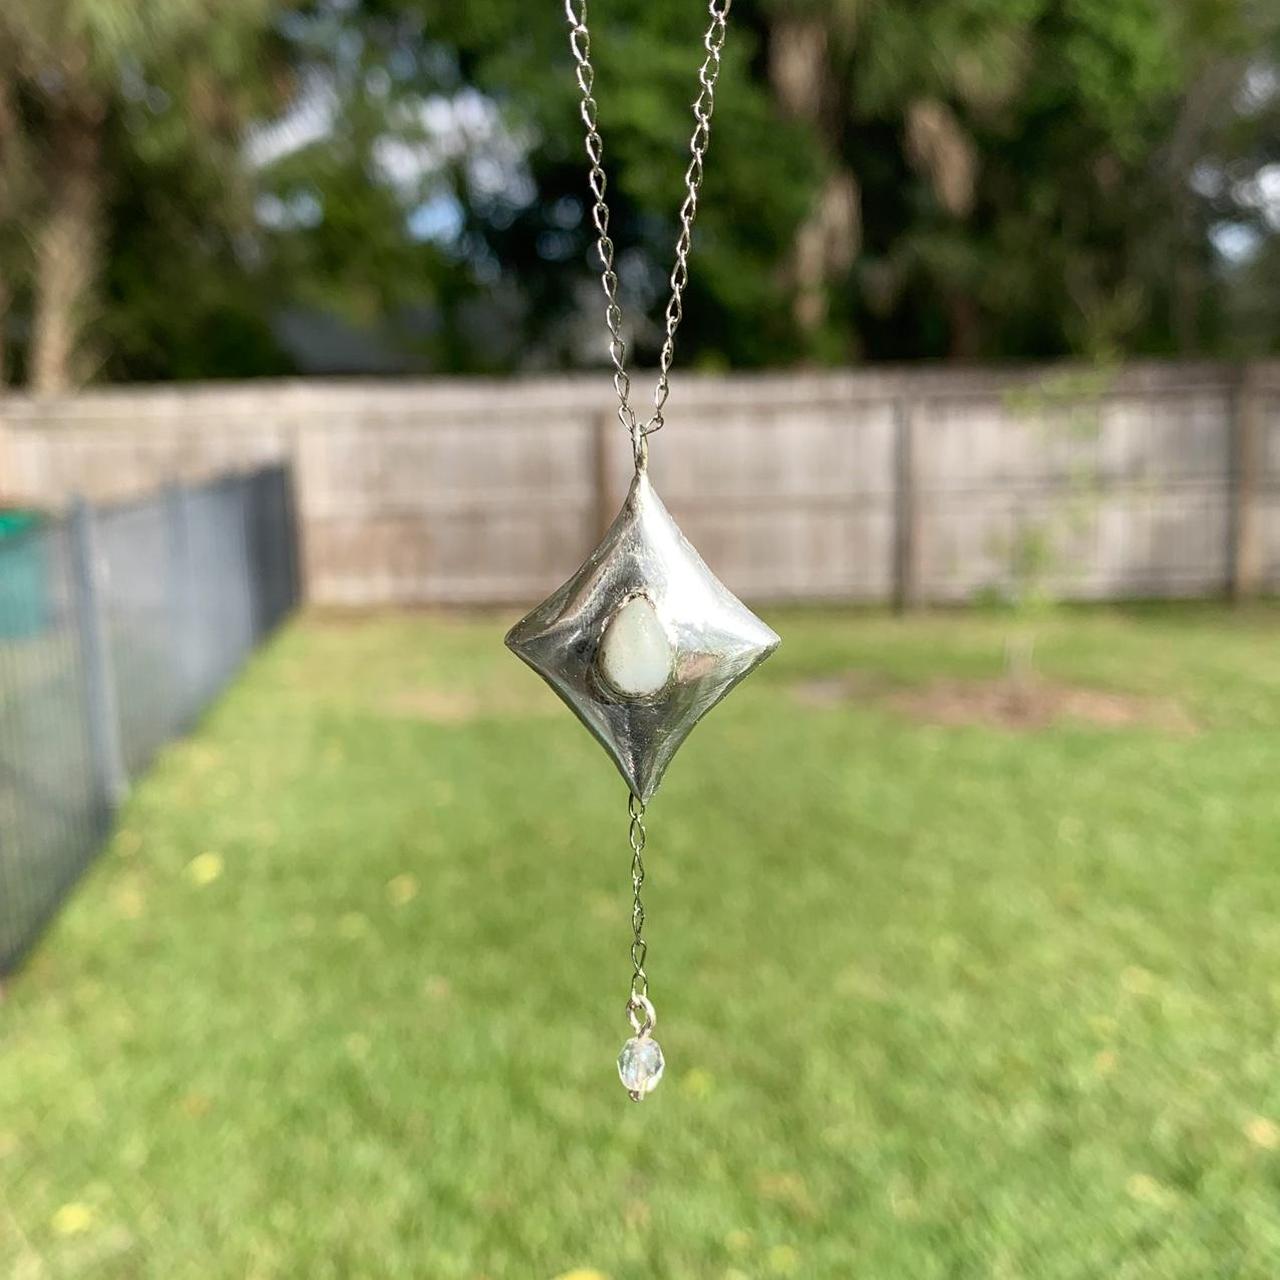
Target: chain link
[638,1007]
[704,104]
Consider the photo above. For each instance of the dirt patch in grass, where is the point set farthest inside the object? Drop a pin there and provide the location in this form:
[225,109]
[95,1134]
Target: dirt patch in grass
[1000,703]
[1005,704]
[834,690]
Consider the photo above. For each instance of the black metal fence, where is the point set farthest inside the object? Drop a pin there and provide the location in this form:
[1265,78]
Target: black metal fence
[118,625]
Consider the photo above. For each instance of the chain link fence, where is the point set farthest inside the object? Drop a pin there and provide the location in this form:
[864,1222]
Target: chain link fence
[118,625]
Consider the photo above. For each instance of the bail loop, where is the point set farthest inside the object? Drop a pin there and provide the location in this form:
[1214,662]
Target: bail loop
[639,448]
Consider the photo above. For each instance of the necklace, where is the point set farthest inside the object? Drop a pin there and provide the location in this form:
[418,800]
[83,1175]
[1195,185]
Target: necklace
[643,640]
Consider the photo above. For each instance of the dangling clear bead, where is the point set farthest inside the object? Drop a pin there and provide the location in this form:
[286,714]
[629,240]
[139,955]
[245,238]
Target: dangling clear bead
[640,1066]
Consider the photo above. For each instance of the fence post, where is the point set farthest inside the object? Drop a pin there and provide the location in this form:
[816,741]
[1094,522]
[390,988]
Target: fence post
[1244,550]
[95,659]
[905,570]
[180,590]
[268,522]
[302,567]
[251,567]
[290,534]
[600,427]
[296,575]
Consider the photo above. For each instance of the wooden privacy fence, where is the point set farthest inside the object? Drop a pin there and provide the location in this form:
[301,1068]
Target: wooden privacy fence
[910,484]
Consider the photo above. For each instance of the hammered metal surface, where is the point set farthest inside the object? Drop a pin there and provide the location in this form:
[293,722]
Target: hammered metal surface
[717,639]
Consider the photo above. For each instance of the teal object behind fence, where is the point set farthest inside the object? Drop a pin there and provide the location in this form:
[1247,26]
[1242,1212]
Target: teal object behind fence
[24,601]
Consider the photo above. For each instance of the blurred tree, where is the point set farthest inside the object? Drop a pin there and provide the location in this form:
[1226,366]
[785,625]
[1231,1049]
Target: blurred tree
[393,184]
[80,78]
[964,178]
[351,177]
[529,229]
[1021,169]
[13,206]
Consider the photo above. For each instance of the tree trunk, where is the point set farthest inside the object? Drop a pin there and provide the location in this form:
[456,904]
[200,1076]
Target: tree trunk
[9,178]
[940,148]
[825,245]
[966,327]
[826,242]
[4,333]
[67,250]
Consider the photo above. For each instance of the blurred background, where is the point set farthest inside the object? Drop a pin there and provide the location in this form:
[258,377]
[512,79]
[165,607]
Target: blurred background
[314,904]
[377,186]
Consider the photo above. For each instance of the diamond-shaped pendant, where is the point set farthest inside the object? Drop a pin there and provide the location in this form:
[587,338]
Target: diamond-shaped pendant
[643,640]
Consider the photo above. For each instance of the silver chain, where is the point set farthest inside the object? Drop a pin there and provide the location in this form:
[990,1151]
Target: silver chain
[580,43]
[639,1009]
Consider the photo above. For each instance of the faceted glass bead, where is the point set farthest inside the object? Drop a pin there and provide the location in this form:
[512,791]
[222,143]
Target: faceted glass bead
[640,1066]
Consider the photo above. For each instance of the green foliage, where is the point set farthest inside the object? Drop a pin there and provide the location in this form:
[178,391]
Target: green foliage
[1065,412]
[761,174]
[1121,64]
[1031,177]
[153,97]
[1079,117]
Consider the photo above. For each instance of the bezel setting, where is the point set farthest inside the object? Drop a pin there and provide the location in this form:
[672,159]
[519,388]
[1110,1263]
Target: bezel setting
[716,640]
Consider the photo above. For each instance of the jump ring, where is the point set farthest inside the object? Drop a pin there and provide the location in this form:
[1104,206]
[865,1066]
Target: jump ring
[641,1014]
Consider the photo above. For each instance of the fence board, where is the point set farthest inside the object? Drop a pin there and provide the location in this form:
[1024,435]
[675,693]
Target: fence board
[793,486]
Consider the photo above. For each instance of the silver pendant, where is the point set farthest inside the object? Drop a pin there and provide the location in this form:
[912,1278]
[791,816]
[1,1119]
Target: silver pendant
[640,644]
[643,640]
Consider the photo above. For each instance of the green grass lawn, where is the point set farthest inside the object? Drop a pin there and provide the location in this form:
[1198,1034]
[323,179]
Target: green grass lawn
[343,997]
